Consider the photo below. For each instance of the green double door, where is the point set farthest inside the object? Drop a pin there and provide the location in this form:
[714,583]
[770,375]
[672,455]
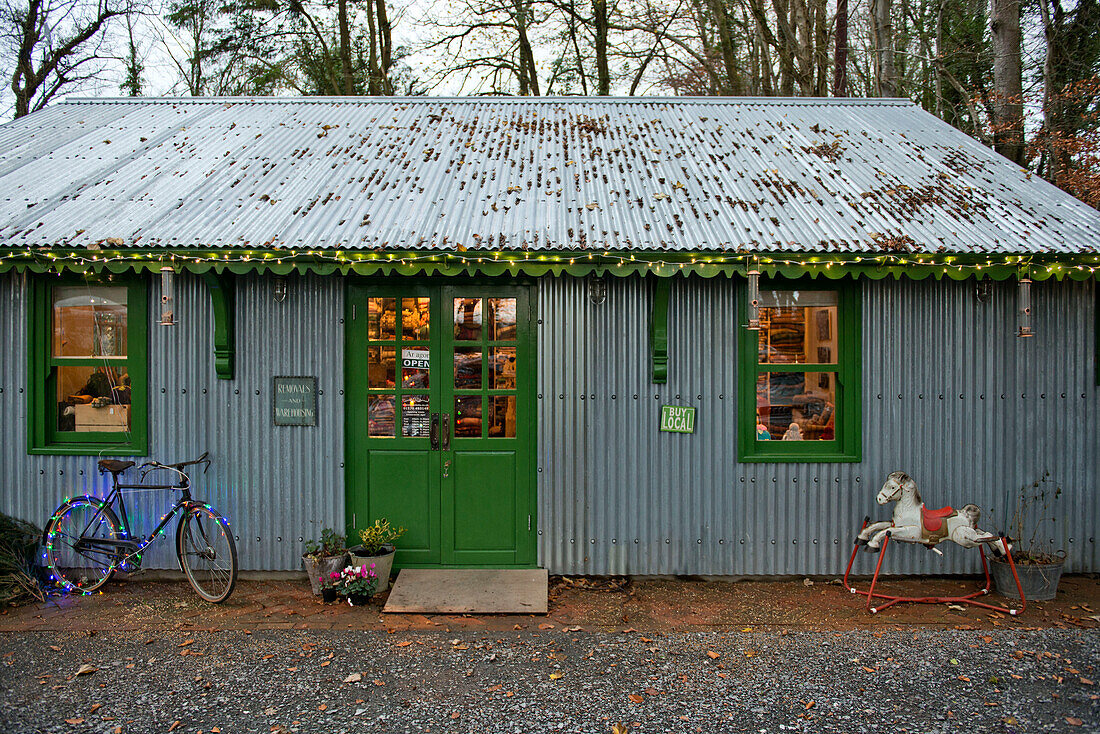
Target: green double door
[440,421]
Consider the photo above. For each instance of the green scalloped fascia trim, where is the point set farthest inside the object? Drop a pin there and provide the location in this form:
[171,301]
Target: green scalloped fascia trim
[510,263]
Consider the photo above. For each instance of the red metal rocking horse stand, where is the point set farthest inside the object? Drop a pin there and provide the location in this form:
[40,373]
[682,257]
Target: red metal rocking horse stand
[967,599]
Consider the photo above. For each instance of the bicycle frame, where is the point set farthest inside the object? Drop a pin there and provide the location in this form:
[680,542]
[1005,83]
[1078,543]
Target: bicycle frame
[132,546]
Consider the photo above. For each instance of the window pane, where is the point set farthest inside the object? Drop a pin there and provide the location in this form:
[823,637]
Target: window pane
[467,320]
[468,368]
[468,415]
[380,367]
[796,406]
[89,321]
[415,314]
[380,419]
[798,327]
[381,318]
[502,416]
[502,368]
[93,399]
[502,319]
[414,367]
[414,416]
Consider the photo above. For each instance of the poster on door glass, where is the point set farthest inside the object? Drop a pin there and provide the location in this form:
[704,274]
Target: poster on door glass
[414,416]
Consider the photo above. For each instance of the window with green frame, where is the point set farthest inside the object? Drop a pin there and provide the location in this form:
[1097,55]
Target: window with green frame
[799,375]
[87,371]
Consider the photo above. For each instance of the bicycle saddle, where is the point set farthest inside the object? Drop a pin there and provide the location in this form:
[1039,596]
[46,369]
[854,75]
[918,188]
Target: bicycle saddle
[115,467]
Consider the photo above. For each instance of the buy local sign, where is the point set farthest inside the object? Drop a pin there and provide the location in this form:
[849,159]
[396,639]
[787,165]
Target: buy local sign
[677,419]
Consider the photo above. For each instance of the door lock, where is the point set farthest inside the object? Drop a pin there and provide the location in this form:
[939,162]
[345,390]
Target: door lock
[446,468]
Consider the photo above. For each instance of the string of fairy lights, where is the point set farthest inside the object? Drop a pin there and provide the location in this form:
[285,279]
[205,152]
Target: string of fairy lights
[1035,266]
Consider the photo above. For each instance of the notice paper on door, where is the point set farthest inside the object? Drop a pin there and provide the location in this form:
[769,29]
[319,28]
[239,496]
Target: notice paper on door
[414,359]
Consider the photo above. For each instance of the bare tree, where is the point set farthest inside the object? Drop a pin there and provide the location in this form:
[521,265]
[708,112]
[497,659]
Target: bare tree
[1008,80]
[882,44]
[55,45]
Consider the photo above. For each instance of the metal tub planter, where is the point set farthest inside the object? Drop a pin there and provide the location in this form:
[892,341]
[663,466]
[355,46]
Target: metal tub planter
[1039,581]
[383,563]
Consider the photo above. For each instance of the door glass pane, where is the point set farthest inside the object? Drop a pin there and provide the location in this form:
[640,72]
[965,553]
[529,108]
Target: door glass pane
[381,318]
[467,319]
[798,327]
[468,368]
[414,367]
[414,416]
[89,321]
[468,415]
[502,368]
[502,416]
[380,418]
[415,314]
[380,367]
[796,406]
[93,399]
[502,319]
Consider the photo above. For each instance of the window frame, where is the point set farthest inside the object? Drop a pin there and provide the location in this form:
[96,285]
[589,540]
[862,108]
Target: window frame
[42,434]
[848,444]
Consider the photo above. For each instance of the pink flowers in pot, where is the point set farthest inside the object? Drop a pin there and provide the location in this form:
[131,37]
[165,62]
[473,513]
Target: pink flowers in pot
[354,580]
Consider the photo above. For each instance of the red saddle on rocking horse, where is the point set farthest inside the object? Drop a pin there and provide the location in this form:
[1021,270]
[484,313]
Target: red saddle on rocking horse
[933,519]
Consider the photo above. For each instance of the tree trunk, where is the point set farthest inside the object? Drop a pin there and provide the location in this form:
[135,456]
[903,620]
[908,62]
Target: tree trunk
[599,22]
[840,60]
[732,83]
[1008,85]
[882,38]
[385,42]
[819,13]
[345,48]
[528,78]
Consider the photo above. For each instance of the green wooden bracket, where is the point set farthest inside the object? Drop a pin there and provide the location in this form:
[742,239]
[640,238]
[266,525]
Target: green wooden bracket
[658,331]
[222,291]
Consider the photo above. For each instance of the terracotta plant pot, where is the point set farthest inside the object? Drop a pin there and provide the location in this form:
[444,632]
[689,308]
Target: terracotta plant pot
[1039,581]
[316,569]
[383,564]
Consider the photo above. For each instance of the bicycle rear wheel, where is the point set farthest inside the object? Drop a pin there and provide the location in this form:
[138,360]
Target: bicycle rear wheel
[76,560]
[207,553]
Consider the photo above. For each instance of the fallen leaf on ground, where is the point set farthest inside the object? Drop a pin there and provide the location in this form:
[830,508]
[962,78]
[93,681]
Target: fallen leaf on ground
[175,725]
[1087,682]
[546,626]
[353,678]
[55,648]
[379,682]
[185,643]
[404,643]
[95,707]
[86,669]
[74,722]
[750,653]
[1073,721]
[713,655]
[555,676]
[636,698]
[652,691]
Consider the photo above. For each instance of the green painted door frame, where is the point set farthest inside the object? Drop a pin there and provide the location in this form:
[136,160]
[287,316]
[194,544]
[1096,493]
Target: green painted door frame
[457,466]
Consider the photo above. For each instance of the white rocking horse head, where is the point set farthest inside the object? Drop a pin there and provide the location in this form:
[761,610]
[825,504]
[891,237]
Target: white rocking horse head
[897,485]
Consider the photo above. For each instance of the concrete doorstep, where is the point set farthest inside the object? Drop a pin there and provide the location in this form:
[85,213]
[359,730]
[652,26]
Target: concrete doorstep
[469,591]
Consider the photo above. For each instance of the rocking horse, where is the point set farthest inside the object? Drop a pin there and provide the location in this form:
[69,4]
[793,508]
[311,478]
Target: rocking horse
[912,522]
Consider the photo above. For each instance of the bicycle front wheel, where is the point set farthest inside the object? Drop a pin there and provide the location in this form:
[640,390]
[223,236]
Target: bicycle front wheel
[207,553]
[79,544]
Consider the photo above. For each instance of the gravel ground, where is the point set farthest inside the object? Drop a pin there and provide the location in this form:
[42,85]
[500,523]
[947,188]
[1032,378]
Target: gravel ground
[566,680]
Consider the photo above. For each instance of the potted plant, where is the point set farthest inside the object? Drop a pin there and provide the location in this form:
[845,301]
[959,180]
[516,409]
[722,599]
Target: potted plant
[377,549]
[1038,564]
[356,584]
[324,556]
[328,587]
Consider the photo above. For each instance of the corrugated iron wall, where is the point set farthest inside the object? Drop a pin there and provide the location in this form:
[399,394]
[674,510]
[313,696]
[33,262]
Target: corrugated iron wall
[950,395]
[615,495]
[276,484]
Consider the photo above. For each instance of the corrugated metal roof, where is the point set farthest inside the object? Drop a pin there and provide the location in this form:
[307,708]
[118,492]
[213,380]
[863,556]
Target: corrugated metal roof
[659,174]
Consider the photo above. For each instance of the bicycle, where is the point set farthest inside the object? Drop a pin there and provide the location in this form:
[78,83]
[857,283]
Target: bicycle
[85,541]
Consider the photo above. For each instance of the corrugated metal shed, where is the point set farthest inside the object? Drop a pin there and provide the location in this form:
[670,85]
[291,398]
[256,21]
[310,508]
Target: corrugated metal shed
[851,175]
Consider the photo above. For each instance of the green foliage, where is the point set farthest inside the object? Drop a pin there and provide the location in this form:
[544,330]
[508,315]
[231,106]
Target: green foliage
[18,546]
[380,534]
[331,544]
